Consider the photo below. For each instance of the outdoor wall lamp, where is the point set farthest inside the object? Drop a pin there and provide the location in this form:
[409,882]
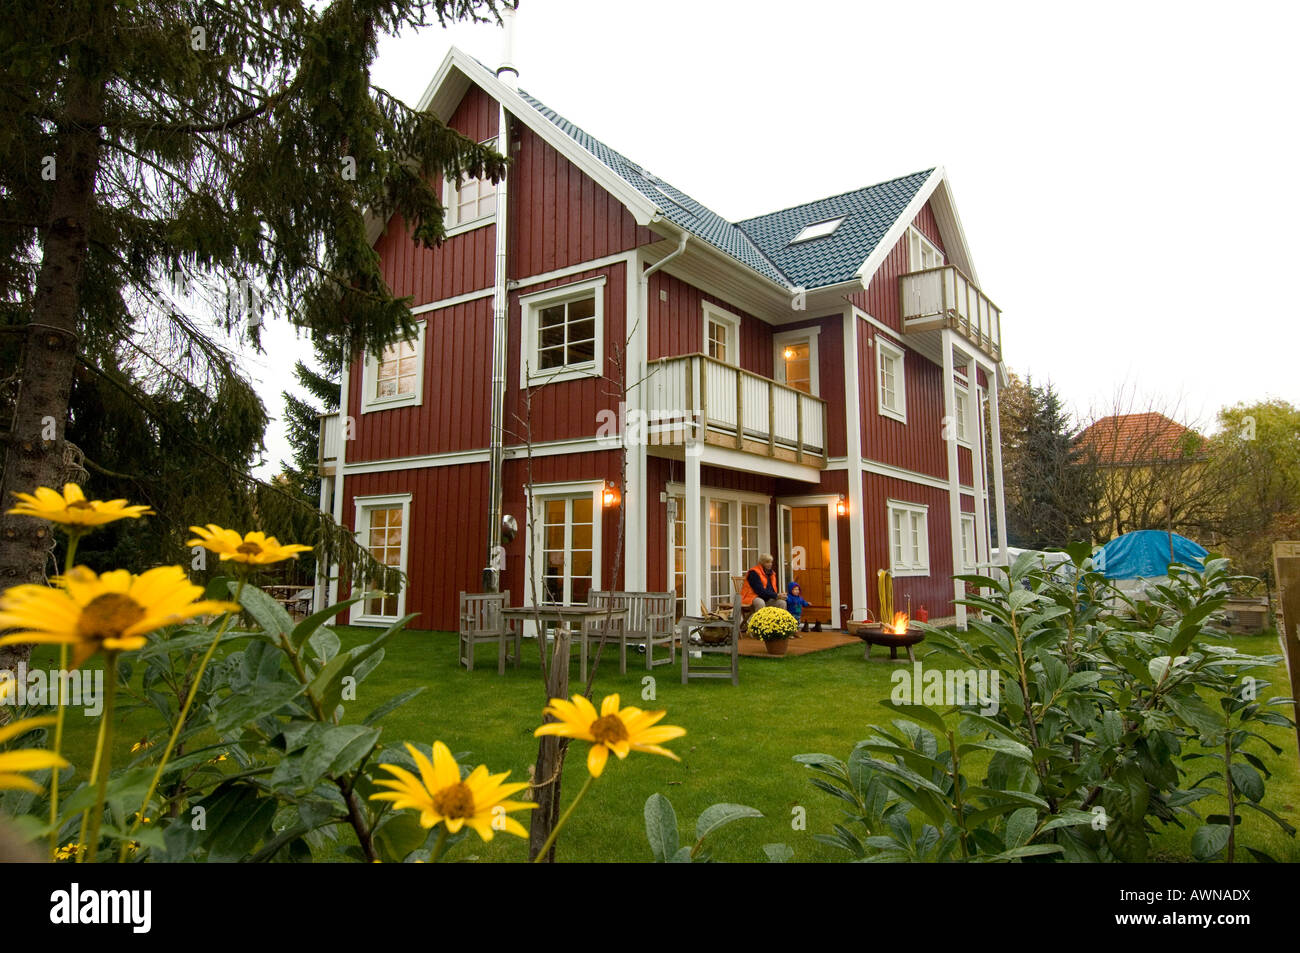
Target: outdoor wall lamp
[611,494]
[842,508]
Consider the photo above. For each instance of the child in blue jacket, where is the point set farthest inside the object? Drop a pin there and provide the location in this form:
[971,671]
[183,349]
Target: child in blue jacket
[795,602]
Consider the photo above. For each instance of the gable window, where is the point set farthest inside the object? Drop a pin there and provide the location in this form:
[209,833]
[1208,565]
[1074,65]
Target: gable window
[395,377]
[909,543]
[891,399]
[383,524]
[471,201]
[961,411]
[566,555]
[968,542]
[796,359]
[721,334]
[563,333]
[922,253]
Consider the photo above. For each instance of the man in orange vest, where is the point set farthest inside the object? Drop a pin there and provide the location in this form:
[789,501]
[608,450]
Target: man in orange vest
[760,588]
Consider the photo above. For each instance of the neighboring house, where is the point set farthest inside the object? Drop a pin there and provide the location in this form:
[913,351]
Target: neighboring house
[1151,474]
[788,378]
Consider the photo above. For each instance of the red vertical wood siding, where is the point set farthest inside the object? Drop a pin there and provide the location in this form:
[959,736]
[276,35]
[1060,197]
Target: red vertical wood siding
[456,403]
[676,325]
[933,591]
[567,410]
[559,217]
[448,532]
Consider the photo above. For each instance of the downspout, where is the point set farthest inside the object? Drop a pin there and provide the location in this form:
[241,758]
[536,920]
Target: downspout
[500,313]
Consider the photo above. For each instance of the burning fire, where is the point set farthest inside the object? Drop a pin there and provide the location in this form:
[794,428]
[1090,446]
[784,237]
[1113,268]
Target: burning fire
[900,624]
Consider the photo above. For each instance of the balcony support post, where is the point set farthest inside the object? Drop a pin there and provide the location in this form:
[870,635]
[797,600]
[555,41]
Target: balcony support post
[999,491]
[694,531]
[954,476]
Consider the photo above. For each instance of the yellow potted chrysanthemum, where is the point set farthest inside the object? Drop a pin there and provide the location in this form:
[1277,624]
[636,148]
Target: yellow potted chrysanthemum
[773,626]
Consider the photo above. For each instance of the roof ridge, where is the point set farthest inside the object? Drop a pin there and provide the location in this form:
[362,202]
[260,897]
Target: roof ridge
[838,195]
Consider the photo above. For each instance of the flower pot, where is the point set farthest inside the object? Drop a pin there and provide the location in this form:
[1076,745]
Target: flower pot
[776,646]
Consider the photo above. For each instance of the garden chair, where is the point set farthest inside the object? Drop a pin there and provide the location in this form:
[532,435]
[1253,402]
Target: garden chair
[610,629]
[481,621]
[659,626]
[738,583]
[730,645]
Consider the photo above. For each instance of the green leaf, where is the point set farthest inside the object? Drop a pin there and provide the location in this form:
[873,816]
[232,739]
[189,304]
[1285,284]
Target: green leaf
[1013,748]
[661,827]
[266,612]
[1209,839]
[325,643]
[717,815]
[1020,827]
[399,835]
[304,629]
[264,699]
[397,701]
[237,818]
[1248,781]
[336,750]
[1030,850]
[778,853]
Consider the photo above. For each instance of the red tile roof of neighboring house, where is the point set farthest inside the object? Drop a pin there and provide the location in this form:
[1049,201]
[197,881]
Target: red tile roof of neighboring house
[1138,438]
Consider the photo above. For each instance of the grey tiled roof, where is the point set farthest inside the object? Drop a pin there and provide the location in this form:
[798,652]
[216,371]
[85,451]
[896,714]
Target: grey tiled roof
[762,243]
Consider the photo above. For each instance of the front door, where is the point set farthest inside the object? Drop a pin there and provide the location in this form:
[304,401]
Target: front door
[806,557]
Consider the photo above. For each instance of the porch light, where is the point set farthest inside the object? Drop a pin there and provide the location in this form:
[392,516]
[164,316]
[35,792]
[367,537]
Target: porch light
[611,494]
[789,354]
[842,508]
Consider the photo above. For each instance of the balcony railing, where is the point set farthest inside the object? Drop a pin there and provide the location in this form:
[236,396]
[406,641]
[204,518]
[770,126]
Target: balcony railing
[740,410]
[946,297]
[327,454]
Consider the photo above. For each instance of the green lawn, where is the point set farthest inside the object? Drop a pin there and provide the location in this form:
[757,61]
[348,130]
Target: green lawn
[738,746]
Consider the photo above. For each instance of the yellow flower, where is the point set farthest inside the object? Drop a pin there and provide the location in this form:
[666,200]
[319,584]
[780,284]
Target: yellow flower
[25,759]
[113,612]
[71,508]
[255,548]
[68,851]
[440,795]
[630,729]
[144,744]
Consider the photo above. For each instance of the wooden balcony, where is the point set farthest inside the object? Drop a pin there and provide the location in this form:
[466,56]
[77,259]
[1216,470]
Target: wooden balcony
[697,397]
[946,298]
[327,453]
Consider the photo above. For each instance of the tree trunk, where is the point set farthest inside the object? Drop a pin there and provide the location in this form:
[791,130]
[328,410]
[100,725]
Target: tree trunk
[34,447]
[550,753]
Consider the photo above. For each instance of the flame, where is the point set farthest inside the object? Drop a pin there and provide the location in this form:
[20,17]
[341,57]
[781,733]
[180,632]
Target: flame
[900,624]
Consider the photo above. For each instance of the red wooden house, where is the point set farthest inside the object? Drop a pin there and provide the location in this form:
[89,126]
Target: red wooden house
[814,383]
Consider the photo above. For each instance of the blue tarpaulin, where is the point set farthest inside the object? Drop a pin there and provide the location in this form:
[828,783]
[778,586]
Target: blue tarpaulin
[1145,553]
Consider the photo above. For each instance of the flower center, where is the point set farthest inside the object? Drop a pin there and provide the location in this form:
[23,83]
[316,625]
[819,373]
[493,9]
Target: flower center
[455,800]
[608,729]
[81,505]
[108,616]
[249,549]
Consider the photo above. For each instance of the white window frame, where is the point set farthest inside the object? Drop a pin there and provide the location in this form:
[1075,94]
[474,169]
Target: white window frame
[816,230]
[969,565]
[916,245]
[919,564]
[370,377]
[539,494]
[532,305]
[779,342]
[884,348]
[451,203]
[961,414]
[713,312]
[737,499]
[361,520]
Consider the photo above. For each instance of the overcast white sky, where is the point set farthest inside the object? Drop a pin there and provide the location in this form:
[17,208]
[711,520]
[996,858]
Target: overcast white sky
[1125,172]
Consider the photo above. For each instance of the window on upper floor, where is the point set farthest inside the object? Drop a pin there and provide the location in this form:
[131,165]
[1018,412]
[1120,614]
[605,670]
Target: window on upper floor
[395,378]
[721,334]
[891,399]
[471,201]
[961,411]
[909,542]
[563,333]
[922,253]
[817,230]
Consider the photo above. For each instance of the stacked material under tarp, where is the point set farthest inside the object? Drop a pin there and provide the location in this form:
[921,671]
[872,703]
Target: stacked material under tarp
[1134,559]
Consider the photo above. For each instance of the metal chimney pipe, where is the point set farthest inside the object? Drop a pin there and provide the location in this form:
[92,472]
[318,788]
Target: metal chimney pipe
[507,72]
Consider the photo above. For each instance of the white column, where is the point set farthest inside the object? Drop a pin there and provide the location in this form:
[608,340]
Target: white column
[999,498]
[694,534]
[977,455]
[853,471]
[635,500]
[340,468]
[954,476]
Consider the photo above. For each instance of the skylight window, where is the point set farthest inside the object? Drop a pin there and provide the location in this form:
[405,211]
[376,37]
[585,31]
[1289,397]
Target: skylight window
[817,230]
